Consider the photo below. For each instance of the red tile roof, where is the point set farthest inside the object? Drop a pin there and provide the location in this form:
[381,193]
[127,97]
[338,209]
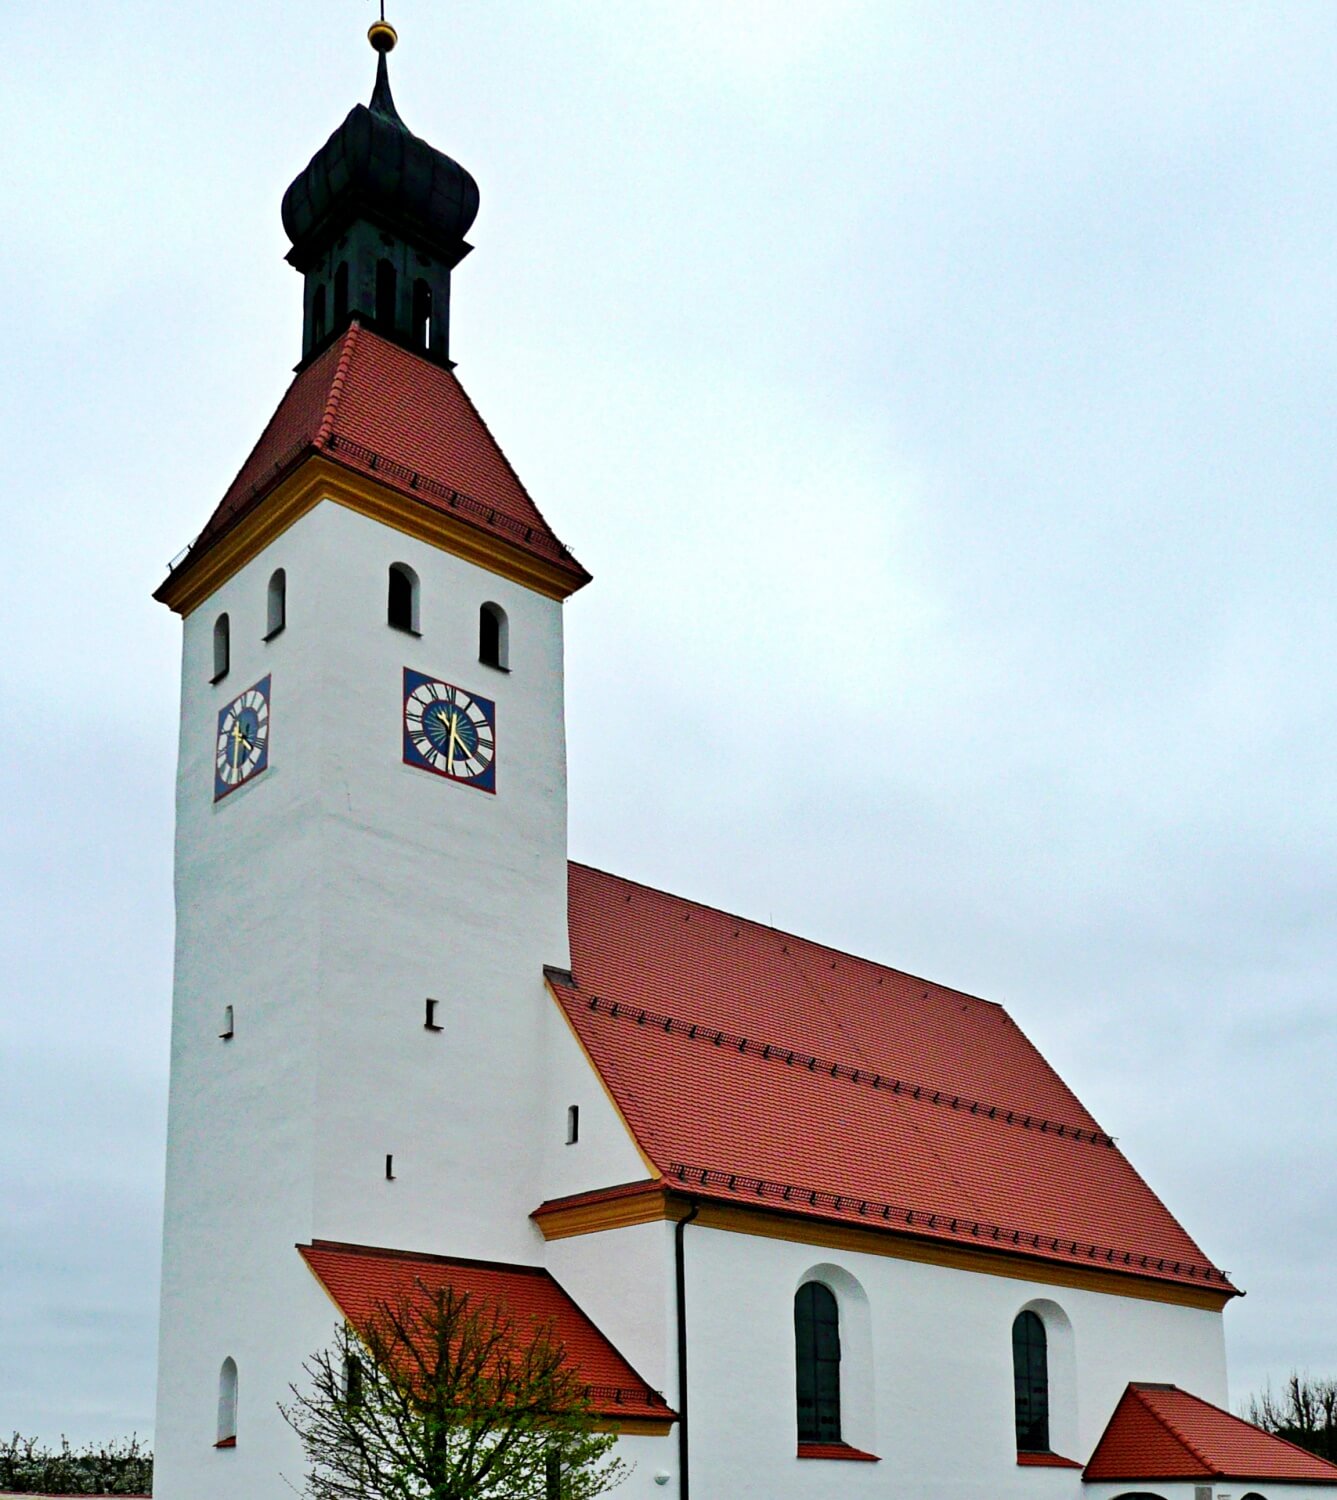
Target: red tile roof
[839,1451]
[1161,1432]
[760,1068]
[359,1278]
[1045,1461]
[375,408]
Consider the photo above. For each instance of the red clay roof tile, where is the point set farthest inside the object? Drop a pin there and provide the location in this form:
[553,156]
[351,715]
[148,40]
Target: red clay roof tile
[1159,1432]
[757,1067]
[375,408]
[359,1278]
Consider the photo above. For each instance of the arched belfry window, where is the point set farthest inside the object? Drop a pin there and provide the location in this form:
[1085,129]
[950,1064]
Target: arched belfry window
[387,292]
[318,315]
[222,647]
[493,642]
[422,315]
[341,294]
[402,600]
[276,612]
[1030,1378]
[817,1353]
[227,1404]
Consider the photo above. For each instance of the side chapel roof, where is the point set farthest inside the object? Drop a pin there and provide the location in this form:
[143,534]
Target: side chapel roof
[359,1278]
[379,410]
[1159,1432]
[758,1068]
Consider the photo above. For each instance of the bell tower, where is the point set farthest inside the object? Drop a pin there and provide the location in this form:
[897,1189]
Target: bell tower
[377,222]
[371,852]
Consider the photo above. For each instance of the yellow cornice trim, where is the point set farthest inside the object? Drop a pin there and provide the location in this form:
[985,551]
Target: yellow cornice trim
[636,1426]
[651,1169]
[317,478]
[660,1203]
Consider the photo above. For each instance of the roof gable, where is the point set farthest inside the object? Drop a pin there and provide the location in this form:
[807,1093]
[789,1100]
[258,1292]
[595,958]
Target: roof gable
[359,1278]
[756,1067]
[1159,1432]
[381,411]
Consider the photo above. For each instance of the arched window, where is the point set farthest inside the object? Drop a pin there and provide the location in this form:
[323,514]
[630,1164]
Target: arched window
[341,294]
[402,605]
[222,648]
[422,314]
[276,615]
[387,291]
[493,642]
[227,1404]
[817,1352]
[318,315]
[1030,1378]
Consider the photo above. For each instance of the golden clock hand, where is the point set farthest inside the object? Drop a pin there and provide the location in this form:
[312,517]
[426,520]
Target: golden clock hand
[454,737]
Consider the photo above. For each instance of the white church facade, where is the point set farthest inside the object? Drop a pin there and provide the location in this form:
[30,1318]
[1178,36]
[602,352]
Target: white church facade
[810,1226]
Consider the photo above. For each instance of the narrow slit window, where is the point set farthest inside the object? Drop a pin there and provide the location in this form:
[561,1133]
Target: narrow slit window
[817,1352]
[402,598]
[431,1023]
[422,315]
[228,1025]
[341,293]
[222,648]
[1030,1378]
[276,616]
[227,1404]
[318,315]
[389,1168]
[493,642]
[572,1124]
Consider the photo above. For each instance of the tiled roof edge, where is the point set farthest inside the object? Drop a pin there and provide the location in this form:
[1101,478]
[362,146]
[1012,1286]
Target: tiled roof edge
[337,384]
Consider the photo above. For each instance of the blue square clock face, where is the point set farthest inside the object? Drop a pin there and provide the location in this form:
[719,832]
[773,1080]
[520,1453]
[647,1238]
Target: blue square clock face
[449,731]
[241,750]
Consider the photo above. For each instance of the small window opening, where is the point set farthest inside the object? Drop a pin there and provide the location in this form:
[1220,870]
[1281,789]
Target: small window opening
[318,315]
[1030,1378]
[431,1023]
[422,314]
[387,292]
[227,1404]
[227,1031]
[402,603]
[389,1168]
[276,616]
[341,293]
[572,1124]
[352,1380]
[222,648]
[493,633]
[817,1351]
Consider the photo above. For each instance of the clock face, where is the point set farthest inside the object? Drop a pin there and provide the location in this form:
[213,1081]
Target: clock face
[449,731]
[241,750]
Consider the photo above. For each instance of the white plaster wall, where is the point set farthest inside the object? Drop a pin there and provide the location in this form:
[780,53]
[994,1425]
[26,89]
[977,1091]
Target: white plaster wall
[325,901]
[940,1368]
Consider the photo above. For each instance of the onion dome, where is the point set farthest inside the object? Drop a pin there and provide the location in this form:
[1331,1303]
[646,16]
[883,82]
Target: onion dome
[374,168]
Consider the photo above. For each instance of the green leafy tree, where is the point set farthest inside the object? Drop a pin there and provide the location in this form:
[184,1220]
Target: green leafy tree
[117,1468]
[442,1396]
[1305,1413]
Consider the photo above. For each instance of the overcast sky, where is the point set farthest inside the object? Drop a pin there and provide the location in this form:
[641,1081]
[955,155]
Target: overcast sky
[941,395]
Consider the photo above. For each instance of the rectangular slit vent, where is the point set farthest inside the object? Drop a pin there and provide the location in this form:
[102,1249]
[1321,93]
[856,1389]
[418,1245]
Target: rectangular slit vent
[572,1124]
[431,1023]
[226,1033]
[389,1168]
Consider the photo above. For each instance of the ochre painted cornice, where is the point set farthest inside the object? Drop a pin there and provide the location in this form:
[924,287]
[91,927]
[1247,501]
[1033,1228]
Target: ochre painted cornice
[654,1202]
[318,478]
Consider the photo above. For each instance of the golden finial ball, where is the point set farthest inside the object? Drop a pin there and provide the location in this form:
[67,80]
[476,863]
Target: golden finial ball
[382,36]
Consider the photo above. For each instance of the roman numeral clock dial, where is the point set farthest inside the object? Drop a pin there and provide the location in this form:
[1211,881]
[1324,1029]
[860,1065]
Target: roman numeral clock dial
[241,749]
[449,731]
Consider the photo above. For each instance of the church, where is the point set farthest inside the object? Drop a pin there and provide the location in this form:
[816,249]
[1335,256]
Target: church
[807,1226]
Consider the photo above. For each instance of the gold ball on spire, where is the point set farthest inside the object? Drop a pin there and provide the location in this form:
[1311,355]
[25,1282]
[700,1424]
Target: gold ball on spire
[382,36]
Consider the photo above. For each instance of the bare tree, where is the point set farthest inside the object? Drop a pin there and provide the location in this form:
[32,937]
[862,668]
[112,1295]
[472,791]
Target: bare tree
[442,1396]
[1305,1413]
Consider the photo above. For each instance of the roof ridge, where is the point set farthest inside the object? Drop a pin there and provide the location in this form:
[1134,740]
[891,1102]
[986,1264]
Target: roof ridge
[1182,1438]
[866,1076]
[782,932]
[337,384]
